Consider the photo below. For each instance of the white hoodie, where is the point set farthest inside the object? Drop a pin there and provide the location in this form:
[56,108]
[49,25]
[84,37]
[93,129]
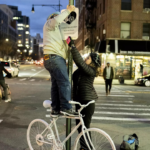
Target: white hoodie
[52,38]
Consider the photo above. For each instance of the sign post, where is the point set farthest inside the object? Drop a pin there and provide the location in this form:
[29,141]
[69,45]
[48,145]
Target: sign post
[70,65]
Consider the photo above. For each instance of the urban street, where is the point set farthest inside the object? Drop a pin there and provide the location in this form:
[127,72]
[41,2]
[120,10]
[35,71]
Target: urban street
[125,111]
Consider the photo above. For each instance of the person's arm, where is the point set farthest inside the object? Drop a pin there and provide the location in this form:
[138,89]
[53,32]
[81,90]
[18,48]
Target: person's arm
[81,63]
[104,73]
[56,21]
[112,72]
[5,70]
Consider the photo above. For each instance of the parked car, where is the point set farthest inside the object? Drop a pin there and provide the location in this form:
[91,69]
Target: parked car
[37,62]
[145,80]
[11,68]
[16,63]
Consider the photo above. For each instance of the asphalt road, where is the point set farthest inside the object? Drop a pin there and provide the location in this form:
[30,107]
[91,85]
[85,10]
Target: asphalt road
[125,111]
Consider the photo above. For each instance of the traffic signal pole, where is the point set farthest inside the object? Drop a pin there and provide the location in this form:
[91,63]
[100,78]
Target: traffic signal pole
[70,66]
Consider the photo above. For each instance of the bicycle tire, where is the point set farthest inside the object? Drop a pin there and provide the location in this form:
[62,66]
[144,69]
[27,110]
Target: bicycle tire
[100,140]
[36,144]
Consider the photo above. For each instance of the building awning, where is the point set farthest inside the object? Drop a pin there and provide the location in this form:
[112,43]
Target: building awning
[134,46]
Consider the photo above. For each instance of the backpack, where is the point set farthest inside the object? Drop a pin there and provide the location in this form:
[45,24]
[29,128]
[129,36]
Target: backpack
[130,142]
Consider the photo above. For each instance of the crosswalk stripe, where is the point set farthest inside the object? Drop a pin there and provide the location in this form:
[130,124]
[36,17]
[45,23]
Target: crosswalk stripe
[104,104]
[33,69]
[32,80]
[117,95]
[1,121]
[121,113]
[121,119]
[116,108]
[115,101]
[22,79]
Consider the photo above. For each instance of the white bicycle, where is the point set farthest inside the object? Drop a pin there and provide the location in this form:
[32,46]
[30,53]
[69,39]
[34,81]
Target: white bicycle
[44,136]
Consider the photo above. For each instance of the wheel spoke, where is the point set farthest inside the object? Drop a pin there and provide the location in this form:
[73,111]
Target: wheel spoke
[35,139]
[100,141]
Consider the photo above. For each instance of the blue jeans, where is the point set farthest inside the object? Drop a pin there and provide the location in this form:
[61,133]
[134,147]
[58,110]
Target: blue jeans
[61,87]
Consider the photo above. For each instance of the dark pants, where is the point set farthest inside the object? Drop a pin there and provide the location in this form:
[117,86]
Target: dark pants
[2,83]
[61,88]
[87,117]
[108,82]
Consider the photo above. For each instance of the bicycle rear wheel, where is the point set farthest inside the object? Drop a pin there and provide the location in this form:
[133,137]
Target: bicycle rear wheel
[39,136]
[100,140]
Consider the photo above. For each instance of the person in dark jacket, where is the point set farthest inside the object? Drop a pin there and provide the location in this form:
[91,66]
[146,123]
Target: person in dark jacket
[83,89]
[108,75]
[2,82]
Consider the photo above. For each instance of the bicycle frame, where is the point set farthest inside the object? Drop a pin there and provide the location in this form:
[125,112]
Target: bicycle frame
[81,123]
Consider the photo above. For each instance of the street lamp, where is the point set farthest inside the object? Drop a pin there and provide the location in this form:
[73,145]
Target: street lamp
[56,7]
[7,40]
[32,8]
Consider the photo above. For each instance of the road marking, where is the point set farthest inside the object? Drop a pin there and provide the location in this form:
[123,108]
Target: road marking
[22,79]
[32,80]
[116,108]
[1,121]
[121,119]
[28,96]
[33,69]
[139,92]
[103,104]
[118,95]
[36,73]
[115,101]
[121,113]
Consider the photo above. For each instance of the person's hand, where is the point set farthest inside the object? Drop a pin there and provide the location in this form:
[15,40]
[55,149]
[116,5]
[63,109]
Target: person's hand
[70,42]
[70,8]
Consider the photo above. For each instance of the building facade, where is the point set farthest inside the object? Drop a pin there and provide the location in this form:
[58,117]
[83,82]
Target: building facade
[23,26]
[120,31]
[8,32]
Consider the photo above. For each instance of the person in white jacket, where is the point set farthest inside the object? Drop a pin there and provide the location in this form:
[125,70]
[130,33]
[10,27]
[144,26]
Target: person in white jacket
[55,55]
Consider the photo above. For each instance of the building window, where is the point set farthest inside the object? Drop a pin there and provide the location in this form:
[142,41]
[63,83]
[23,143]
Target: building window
[125,30]
[125,4]
[19,35]
[27,32]
[146,4]
[146,31]
[20,28]
[103,6]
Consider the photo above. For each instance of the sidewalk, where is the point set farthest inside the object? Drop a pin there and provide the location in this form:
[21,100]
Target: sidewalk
[100,80]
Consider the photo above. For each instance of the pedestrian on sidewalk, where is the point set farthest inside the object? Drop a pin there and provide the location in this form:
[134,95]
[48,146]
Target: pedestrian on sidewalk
[55,55]
[2,82]
[83,89]
[108,75]
[141,69]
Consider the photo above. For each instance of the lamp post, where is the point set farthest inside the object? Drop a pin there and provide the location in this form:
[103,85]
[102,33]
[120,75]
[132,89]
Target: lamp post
[70,66]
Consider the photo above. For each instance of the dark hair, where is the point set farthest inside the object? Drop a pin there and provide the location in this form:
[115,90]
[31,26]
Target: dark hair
[96,62]
[96,59]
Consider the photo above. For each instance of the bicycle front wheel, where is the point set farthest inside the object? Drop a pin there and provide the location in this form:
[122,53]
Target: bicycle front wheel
[97,140]
[39,135]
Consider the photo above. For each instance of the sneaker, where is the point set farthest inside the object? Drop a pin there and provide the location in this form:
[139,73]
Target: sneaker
[8,100]
[55,113]
[69,112]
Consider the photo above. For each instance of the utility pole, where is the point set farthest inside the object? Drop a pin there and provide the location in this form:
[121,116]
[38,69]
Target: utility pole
[70,66]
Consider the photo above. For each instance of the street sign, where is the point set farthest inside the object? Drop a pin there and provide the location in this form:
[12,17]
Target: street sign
[70,25]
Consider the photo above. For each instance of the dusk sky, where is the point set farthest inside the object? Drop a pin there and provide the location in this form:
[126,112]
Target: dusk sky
[38,18]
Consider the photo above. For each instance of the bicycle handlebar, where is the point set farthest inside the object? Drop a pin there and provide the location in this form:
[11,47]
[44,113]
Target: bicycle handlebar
[74,102]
